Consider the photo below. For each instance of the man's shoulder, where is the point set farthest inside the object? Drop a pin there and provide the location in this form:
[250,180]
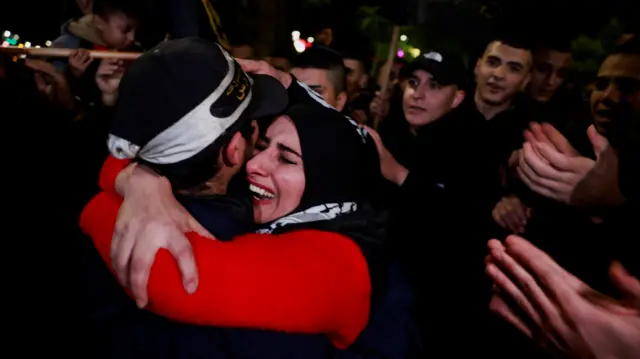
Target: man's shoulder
[222,215]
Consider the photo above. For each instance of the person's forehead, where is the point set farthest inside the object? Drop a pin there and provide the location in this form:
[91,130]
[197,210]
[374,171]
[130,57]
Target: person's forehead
[352,64]
[311,76]
[120,18]
[422,74]
[282,130]
[621,65]
[508,53]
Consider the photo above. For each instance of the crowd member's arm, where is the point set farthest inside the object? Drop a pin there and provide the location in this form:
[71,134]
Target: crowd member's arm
[574,180]
[298,91]
[558,309]
[52,82]
[303,282]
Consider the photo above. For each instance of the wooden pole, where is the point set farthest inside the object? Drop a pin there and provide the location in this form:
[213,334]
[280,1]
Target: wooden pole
[393,45]
[60,52]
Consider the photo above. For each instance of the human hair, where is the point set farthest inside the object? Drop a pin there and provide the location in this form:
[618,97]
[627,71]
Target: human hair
[557,43]
[324,58]
[197,170]
[106,8]
[629,47]
[515,41]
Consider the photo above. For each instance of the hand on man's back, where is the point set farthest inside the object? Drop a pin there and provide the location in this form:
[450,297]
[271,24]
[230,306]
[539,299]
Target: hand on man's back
[150,219]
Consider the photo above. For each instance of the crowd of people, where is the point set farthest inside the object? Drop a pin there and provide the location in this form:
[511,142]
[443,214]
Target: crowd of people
[244,208]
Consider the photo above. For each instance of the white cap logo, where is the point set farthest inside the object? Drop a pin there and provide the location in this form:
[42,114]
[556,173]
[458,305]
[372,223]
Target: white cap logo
[434,56]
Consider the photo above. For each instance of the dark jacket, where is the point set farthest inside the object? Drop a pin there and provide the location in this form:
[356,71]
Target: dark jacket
[439,229]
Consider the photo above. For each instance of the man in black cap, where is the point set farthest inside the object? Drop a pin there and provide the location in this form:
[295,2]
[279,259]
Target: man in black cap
[186,115]
[444,200]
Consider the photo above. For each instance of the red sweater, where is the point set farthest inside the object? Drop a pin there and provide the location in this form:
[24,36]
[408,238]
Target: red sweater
[300,282]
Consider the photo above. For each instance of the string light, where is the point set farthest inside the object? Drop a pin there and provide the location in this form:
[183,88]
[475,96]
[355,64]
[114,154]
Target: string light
[403,38]
[7,33]
[48,43]
[414,52]
[27,44]
[311,40]
[400,53]
[295,35]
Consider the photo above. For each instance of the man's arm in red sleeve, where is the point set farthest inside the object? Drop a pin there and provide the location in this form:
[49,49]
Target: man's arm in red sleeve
[110,171]
[300,282]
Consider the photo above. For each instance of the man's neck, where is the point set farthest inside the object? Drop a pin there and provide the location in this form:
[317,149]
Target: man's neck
[489,111]
[217,185]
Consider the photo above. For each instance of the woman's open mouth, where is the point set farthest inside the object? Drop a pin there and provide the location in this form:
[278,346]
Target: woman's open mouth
[260,193]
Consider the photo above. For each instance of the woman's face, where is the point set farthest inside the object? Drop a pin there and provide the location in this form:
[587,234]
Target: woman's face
[276,172]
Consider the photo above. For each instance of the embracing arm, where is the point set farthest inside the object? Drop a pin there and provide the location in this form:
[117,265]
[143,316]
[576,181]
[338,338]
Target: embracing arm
[301,282]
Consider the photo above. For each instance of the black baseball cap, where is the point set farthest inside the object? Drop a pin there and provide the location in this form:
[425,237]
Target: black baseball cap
[178,98]
[446,68]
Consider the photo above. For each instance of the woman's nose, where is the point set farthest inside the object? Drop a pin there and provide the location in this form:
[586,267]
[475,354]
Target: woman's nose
[262,164]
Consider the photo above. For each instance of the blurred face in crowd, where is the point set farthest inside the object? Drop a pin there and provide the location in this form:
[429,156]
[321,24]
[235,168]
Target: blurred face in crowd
[276,172]
[117,30]
[618,80]
[501,73]
[319,80]
[357,77]
[425,100]
[550,69]
[324,36]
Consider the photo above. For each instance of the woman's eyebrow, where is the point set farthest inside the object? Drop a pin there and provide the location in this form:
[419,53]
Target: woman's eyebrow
[282,147]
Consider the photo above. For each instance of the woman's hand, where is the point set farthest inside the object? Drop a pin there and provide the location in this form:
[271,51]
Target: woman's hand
[149,219]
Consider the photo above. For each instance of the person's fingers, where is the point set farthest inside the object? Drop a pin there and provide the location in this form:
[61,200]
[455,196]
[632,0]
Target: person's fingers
[107,69]
[141,262]
[495,244]
[558,140]
[252,66]
[547,174]
[500,307]
[121,247]
[538,133]
[194,226]
[599,142]
[540,177]
[568,166]
[626,283]
[529,137]
[561,285]
[509,288]
[181,250]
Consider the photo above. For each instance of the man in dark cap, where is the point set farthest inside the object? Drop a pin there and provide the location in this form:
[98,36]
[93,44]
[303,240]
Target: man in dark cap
[186,115]
[443,198]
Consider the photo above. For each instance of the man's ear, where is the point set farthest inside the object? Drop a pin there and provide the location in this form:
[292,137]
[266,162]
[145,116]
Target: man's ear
[341,100]
[234,151]
[525,83]
[457,100]
[476,70]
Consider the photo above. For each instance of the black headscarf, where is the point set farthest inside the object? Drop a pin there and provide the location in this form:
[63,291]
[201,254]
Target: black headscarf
[342,171]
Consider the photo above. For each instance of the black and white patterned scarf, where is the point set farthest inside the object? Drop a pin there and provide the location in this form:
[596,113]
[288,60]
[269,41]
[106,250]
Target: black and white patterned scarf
[323,212]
